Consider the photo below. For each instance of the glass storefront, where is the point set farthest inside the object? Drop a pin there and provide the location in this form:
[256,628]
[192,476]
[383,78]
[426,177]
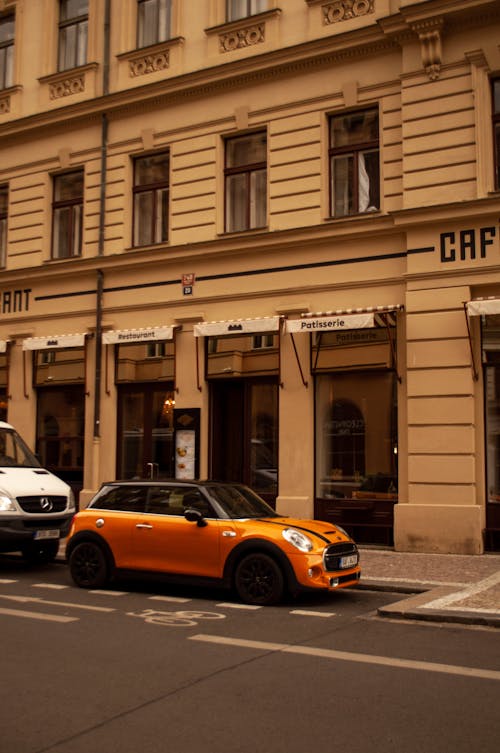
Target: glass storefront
[146,400]
[491,360]
[4,381]
[356,429]
[243,373]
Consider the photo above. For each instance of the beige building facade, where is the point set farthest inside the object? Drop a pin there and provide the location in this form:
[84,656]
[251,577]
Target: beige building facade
[259,241]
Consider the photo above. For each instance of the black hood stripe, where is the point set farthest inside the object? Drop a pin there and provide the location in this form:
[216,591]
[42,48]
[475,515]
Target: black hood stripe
[299,528]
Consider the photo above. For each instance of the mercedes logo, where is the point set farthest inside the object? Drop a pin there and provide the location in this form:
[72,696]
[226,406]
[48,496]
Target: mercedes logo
[46,504]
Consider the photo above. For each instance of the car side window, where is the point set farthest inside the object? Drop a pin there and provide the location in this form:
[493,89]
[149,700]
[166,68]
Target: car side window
[125,499]
[172,500]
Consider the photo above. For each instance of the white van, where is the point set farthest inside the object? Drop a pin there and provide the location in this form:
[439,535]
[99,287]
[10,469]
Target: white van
[36,507]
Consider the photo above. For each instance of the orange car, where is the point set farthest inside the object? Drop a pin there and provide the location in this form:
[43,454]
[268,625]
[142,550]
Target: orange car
[207,532]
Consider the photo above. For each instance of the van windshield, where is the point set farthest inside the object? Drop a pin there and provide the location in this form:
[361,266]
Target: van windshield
[14,452]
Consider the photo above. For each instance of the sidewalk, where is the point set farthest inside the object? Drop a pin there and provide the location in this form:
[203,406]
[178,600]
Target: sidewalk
[438,587]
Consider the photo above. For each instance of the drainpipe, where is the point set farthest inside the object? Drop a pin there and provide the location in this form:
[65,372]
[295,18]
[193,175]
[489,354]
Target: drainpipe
[102,224]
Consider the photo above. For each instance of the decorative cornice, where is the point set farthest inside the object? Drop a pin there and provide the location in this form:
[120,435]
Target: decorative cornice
[4,104]
[150,59]
[67,83]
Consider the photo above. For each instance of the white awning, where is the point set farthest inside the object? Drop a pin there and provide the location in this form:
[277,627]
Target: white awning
[3,346]
[145,334]
[331,321]
[237,327]
[483,306]
[53,342]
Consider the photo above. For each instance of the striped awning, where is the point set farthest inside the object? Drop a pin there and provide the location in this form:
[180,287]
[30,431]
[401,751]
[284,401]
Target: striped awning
[237,327]
[143,334]
[352,318]
[480,306]
[53,342]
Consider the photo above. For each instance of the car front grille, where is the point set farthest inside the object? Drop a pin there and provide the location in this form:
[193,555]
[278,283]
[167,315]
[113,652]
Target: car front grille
[334,552]
[38,505]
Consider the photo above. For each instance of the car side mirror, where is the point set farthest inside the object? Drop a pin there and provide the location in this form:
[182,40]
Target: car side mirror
[195,516]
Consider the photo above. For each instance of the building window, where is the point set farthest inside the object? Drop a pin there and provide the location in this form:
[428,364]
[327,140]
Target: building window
[4,202]
[154,19]
[496,129]
[246,182]
[236,9]
[262,341]
[151,189]
[73,30]
[67,215]
[354,163]
[7,24]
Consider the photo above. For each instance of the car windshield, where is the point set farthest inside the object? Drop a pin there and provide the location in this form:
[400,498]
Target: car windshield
[241,502]
[14,452]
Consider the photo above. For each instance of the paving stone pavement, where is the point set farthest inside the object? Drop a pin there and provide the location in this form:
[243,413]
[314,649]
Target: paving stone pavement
[444,587]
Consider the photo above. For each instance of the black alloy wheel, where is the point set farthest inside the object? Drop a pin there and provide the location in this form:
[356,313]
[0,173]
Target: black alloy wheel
[88,565]
[259,580]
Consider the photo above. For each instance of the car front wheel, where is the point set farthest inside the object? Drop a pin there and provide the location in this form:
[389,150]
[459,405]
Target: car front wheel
[88,565]
[259,580]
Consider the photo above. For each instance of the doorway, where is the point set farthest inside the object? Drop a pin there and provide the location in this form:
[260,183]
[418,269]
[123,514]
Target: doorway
[244,433]
[145,432]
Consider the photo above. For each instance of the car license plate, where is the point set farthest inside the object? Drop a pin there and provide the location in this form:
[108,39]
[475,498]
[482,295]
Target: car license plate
[350,561]
[52,533]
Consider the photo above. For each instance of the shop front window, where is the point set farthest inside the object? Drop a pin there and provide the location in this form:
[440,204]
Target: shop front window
[4,377]
[491,356]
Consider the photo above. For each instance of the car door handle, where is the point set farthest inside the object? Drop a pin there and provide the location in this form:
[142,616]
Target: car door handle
[143,525]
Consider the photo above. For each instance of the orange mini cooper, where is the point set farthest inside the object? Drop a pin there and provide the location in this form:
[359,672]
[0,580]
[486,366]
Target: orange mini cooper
[207,532]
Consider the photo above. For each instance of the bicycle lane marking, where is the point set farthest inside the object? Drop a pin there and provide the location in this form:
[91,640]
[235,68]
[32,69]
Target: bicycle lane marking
[180,618]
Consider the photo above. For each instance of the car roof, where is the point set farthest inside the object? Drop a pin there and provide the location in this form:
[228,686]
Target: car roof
[163,481]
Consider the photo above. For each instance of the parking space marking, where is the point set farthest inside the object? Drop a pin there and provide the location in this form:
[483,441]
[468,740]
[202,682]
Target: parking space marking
[228,605]
[310,613]
[54,586]
[385,661]
[37,615]
[100,592]
[174,599]
[36,600]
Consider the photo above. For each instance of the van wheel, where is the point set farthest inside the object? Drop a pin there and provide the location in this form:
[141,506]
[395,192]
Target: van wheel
[88,565]
[39,554]
[259,580]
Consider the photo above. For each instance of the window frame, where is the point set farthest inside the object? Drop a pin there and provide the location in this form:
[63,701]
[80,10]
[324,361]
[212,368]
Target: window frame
[81,25]
[156,188]
[7,51]
[4,218]
[247,170]
[354,149]
[68,203]
[160,36]
[495,114]
[251,10]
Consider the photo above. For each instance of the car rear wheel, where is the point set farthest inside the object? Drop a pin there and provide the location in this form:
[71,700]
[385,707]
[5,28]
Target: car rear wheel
[88,565]
[259,580]
[38,554]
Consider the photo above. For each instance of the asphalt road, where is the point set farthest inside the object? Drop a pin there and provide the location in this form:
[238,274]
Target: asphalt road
[146,667]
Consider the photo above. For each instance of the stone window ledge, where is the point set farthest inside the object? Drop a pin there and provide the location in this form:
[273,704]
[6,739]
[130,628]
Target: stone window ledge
[245,32]
[70,82]
[8,100]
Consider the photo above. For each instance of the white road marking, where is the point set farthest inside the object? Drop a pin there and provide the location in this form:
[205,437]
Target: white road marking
[100,592]
[36,600]
[309,613]
[228,605]
[54,586]
[472,590]
[386,661]
[37,615]
[7,580]
[175,599]
[425,582]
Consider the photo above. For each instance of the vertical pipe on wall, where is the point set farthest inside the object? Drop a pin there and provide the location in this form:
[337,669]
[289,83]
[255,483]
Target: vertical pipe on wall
[102,224]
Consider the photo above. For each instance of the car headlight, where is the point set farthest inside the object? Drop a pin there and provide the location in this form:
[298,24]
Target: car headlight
[297,539]
[6,504]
